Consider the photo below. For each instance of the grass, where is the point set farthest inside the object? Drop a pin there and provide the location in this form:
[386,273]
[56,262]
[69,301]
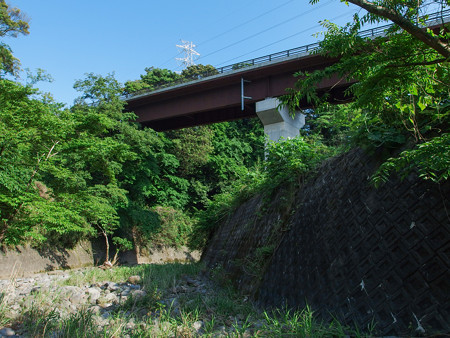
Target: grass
[177,304]
[4,320]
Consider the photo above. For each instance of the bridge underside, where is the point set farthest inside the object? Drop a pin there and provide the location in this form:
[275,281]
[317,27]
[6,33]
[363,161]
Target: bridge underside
[218,98]
[225,114]
[202,118]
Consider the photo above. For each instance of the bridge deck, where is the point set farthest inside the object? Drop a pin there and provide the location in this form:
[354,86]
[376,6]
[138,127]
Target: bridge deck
[217,98]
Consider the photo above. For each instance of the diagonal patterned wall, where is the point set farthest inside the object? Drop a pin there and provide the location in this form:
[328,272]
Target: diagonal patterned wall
[348,249]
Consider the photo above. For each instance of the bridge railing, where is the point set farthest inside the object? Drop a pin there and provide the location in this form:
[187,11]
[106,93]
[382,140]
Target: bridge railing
[305,50]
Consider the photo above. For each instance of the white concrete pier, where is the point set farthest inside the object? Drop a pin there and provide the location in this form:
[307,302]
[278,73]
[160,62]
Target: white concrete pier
[277,121]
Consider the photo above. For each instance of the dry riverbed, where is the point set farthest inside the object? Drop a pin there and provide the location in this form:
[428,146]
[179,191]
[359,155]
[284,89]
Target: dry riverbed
[168,300]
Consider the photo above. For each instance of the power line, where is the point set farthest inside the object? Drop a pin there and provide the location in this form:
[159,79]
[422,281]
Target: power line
[267,29]
[247,22]
[168,60]
[218,20]
[286,38]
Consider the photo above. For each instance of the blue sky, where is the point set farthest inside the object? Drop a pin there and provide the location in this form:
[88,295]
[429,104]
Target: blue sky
[71,38]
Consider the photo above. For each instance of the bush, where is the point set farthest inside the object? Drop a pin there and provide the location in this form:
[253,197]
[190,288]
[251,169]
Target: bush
[175,227]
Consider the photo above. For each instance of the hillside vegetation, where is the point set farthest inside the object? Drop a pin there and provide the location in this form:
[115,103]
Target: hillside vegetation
[90,170]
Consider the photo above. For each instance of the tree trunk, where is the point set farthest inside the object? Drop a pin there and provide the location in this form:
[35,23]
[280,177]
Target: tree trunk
[419,33]
[107,245]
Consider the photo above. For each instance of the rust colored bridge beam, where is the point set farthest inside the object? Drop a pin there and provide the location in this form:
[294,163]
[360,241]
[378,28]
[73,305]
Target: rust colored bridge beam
[218,98]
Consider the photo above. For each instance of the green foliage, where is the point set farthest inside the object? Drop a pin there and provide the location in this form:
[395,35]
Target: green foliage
[155,78]
[196,72]
[431,161]
[151,80]
[401,92]
[71,173]
[240,65]
[12,23]
[90,170]
[193,147]
[222,204]
[32,135]
[175,227]
[286,161]
[294,157]
[238,145]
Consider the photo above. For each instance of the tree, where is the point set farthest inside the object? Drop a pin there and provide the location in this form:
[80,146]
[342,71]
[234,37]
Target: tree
[196,72]
[406,15]
[155,78]
[402,86]
[33,134]
[12,23]
[120,159]
[66,174]
[151,80]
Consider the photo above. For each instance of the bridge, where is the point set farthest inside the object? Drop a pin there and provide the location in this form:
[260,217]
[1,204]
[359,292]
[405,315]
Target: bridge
[243,90]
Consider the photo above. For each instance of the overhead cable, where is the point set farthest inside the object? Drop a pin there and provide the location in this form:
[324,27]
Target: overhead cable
[246,22]
[267,29]
[286,38]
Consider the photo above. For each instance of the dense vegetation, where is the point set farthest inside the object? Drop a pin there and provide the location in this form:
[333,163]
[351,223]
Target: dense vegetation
[91,170]
[400,107]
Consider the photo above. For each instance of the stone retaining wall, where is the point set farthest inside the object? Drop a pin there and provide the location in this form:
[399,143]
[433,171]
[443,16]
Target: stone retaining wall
[346,249]
[25,261]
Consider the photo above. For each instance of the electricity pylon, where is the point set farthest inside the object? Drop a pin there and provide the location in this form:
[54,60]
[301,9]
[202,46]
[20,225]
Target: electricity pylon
[187,47]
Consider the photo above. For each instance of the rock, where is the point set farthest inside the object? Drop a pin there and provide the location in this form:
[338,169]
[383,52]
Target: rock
[72,308]
[95,309]
[138,294]
[65,305]
[77,298]
[197,325]
[7,332]
[134,279]
[192,282]
[112,297]
[131,324]
[93,293]
[142,312]
[112,286]
[165,326]
[101,322]
[69,291]
[125,293]
[107,300]
[35,290]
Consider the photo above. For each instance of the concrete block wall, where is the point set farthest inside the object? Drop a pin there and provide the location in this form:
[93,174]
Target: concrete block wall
[347,249]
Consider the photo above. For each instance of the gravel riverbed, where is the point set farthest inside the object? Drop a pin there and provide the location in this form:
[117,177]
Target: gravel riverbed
[49,291]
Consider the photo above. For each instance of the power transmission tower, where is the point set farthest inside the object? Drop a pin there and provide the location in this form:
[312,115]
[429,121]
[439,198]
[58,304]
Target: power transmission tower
[187,47]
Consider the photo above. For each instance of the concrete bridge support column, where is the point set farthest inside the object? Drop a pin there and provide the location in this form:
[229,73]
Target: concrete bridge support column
[277,121]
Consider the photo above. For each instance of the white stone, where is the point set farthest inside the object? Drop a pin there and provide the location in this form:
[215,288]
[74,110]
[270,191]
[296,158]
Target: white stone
[7,332]
[93,293]
[197,325]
